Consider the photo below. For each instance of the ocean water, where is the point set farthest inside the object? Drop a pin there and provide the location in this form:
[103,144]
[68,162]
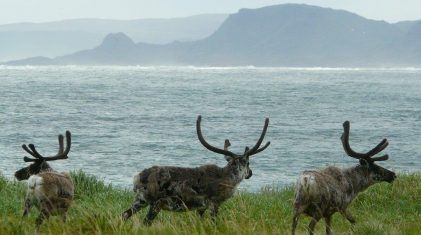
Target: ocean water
[125,119]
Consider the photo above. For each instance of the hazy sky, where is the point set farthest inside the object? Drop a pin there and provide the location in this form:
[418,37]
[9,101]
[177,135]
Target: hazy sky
[12,11]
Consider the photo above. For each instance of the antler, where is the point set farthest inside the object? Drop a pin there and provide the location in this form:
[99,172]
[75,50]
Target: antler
[31,150]
[225,151]
[261,149]
[208,146]
[367,156]
[61,154]
[36,155]
[227,144]
[256,149]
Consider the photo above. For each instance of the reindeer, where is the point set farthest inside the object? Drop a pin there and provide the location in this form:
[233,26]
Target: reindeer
[182,189]
[320,194]
[51,192]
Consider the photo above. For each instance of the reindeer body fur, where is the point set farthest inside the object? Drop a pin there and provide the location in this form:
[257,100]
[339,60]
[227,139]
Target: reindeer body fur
[51,193]
[208,182]
[322,193]
[182,189]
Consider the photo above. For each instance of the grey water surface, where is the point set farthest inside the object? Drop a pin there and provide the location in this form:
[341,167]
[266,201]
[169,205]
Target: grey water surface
[124,119]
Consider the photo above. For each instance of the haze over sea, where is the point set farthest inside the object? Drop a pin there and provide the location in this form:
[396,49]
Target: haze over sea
[124,119]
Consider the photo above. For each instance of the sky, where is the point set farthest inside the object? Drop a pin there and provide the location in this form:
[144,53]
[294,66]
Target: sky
[13,11]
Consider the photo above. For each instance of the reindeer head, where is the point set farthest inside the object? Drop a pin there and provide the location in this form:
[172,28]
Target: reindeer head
[39,163]
[374,172]
[238,162]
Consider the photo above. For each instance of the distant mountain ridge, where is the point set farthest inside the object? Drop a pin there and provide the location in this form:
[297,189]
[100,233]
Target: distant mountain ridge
[51,39]
[280,35]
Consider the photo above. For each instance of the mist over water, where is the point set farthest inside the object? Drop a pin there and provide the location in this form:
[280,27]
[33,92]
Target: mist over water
[124,119]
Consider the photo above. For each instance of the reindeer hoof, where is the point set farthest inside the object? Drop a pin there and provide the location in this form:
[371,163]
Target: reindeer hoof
[147,222]
[125,216]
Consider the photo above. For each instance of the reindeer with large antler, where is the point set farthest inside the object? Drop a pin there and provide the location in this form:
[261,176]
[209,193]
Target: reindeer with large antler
[320,194]
[51,192]
[183,189]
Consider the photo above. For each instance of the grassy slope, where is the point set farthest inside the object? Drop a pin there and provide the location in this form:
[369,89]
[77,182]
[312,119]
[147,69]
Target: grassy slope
[383,209]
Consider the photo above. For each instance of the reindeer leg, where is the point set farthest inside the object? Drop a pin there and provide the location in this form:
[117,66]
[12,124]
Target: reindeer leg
[60,205]
[214,210]
[298,209]
[295,222]
[138,204]
[64,217]
[152,213]
[348,216]
[44,214]
[168,203]
[201,212]
[312,224]
[328,220]
[27,207]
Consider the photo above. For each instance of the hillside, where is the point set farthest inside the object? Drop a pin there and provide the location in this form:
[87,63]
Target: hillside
[282,35]
[51,39]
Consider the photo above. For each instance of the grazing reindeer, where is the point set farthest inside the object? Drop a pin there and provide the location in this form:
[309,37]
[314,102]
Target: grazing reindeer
[182,189]
[49,191]
[320,194]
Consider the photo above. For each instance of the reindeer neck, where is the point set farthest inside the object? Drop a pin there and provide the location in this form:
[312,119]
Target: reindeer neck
[46,167]
[357,180]
[47,170]
[234,173]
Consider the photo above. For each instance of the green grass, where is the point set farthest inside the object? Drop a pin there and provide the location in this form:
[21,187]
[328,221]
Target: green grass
[382,209]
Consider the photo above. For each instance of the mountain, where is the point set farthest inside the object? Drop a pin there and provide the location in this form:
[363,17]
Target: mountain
[116,48]
[51,39]
[281,35]
[302,35]
[407,25]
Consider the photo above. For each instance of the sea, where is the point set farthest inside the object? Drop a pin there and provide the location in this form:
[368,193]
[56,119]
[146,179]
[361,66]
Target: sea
[124,119]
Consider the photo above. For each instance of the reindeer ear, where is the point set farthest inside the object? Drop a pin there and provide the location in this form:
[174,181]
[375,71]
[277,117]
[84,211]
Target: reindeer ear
[364,162]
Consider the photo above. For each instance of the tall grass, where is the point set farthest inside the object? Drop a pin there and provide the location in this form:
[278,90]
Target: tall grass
[382,209]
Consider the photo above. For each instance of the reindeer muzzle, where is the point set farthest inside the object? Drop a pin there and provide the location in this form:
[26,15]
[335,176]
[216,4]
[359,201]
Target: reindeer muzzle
[250,174]
[391,178]
[22,174]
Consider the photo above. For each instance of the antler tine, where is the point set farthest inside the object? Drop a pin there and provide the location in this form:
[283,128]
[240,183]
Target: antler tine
[382,158]
[27,159]
[227,144]
[261,149]
[61,154]
[246,149]
[259,142]
[367,156]
[347,147]
[382,145]
[208,146]
[36,154]
[29,151]
[60,144]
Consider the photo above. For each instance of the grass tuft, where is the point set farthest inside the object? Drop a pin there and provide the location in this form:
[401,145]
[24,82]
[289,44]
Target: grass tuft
[382,209]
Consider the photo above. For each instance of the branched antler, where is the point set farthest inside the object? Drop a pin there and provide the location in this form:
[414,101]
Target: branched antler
[61,154]
[256,149]
[224,151]
[368,156]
